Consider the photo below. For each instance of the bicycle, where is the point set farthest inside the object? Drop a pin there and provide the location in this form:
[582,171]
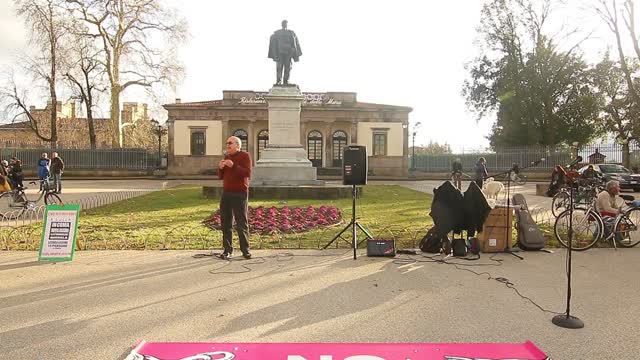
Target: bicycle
[518,179]
[583,195]
[588,227]
[15,202]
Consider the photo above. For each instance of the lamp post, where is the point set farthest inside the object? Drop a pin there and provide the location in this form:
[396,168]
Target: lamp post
[159,130]
[413,152]
[413,147]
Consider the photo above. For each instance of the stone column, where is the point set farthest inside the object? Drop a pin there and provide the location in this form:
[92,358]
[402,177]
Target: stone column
[252,141]
[224,134]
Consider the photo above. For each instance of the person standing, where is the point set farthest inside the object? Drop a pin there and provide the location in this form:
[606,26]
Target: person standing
[235,172]
[481,172]
[43,168]
[57,168]
[456,173]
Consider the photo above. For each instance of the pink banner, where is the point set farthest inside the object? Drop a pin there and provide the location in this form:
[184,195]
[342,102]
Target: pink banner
[366,351]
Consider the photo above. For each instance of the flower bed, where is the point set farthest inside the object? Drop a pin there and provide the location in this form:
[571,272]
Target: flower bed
[285,219]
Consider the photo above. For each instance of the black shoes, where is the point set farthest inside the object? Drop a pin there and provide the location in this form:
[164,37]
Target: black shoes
[227,256]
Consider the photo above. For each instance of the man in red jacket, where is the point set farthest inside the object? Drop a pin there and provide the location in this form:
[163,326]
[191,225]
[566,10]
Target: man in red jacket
[235,171]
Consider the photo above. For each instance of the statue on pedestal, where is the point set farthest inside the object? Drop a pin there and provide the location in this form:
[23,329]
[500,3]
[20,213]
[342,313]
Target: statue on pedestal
[283,47]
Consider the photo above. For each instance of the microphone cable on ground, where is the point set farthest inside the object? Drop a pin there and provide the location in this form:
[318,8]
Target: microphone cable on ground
[503,280]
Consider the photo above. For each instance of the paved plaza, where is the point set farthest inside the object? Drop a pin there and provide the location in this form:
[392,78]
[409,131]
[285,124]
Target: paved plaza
[104,302]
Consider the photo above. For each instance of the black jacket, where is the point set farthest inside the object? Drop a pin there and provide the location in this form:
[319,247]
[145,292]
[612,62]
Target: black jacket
[451,211]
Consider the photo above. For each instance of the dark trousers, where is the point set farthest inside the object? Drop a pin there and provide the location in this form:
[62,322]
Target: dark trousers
[285,63]
[234,205]
[57,182]
[479,182]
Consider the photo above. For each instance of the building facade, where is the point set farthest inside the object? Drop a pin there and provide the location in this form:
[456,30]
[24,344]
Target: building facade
[328,122]
[73,131]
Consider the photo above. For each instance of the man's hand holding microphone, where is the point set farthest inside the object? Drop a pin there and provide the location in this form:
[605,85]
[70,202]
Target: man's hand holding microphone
[225,162]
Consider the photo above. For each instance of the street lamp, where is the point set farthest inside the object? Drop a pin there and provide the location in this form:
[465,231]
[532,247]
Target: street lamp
[159,130]
[413,147]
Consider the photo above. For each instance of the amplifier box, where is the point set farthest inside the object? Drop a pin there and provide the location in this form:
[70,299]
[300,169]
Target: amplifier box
[381,247]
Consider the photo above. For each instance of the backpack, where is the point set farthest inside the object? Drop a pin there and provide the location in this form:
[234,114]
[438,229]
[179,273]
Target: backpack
[432,242]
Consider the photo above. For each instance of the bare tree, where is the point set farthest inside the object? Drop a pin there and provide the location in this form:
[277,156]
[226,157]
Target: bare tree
[609,13]
[127,31]
[84,77]
[46,21]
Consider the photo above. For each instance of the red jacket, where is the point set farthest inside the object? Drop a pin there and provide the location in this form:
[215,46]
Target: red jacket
[236,178]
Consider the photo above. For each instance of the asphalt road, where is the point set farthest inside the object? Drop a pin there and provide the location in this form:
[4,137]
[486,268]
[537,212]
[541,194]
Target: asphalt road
[103,303]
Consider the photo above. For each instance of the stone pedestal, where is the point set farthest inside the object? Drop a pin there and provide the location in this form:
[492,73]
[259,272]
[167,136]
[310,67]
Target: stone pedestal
[284,161]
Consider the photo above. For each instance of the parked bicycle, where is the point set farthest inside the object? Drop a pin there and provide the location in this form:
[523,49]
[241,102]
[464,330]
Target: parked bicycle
[588,227]
[583,195]
[15,202]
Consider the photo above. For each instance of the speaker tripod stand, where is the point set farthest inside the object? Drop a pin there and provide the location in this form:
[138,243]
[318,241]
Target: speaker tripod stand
[353,224]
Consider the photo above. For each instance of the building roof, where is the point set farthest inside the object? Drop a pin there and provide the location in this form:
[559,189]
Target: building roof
[20,125]
[234,99]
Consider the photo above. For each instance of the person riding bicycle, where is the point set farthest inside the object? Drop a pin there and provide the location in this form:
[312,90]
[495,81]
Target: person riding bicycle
[15,174]
[609,204]
[515,170]
[456,173]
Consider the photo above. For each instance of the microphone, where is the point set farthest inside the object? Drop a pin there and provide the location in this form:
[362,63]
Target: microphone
[537,162]
[575,161]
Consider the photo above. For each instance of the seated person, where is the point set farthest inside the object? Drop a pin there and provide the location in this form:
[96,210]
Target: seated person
[588,176]
[589,173]
[4,184]
[558,177]
[15,174]
[609,204]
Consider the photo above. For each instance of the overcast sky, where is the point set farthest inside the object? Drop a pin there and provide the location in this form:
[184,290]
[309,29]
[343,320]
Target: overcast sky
[406,53]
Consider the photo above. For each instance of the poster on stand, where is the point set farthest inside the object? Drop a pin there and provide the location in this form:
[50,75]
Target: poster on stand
[59,233]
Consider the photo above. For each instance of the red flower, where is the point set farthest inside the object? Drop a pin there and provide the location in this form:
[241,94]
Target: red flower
[284,220]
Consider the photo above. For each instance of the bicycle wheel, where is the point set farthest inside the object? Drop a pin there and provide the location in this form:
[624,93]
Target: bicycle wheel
[560,203]
[587,228]
[626,228]
[521,180]
[11,205]
[51,199]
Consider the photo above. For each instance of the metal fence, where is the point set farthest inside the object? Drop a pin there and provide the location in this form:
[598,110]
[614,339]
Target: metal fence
[117,159]
[499,160]
[610,153]
[502,159]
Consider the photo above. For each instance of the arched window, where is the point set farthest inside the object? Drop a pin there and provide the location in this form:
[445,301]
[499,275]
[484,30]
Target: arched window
[244,137]
[263,140]
[339,141]
[314,148]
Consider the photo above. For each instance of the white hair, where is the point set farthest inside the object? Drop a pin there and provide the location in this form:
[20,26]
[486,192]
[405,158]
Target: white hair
[611,183]
[237,140]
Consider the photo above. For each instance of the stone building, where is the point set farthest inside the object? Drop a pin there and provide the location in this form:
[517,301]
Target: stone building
[328,122]
[73,131]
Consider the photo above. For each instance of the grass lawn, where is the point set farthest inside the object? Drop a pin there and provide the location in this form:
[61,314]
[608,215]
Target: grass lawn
[172,219]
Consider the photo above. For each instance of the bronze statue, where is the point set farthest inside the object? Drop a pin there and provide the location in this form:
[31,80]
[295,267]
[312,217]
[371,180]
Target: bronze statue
[284,46]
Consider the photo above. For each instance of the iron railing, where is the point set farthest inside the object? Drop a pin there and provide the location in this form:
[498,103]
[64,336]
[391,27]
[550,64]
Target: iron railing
[101,159]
